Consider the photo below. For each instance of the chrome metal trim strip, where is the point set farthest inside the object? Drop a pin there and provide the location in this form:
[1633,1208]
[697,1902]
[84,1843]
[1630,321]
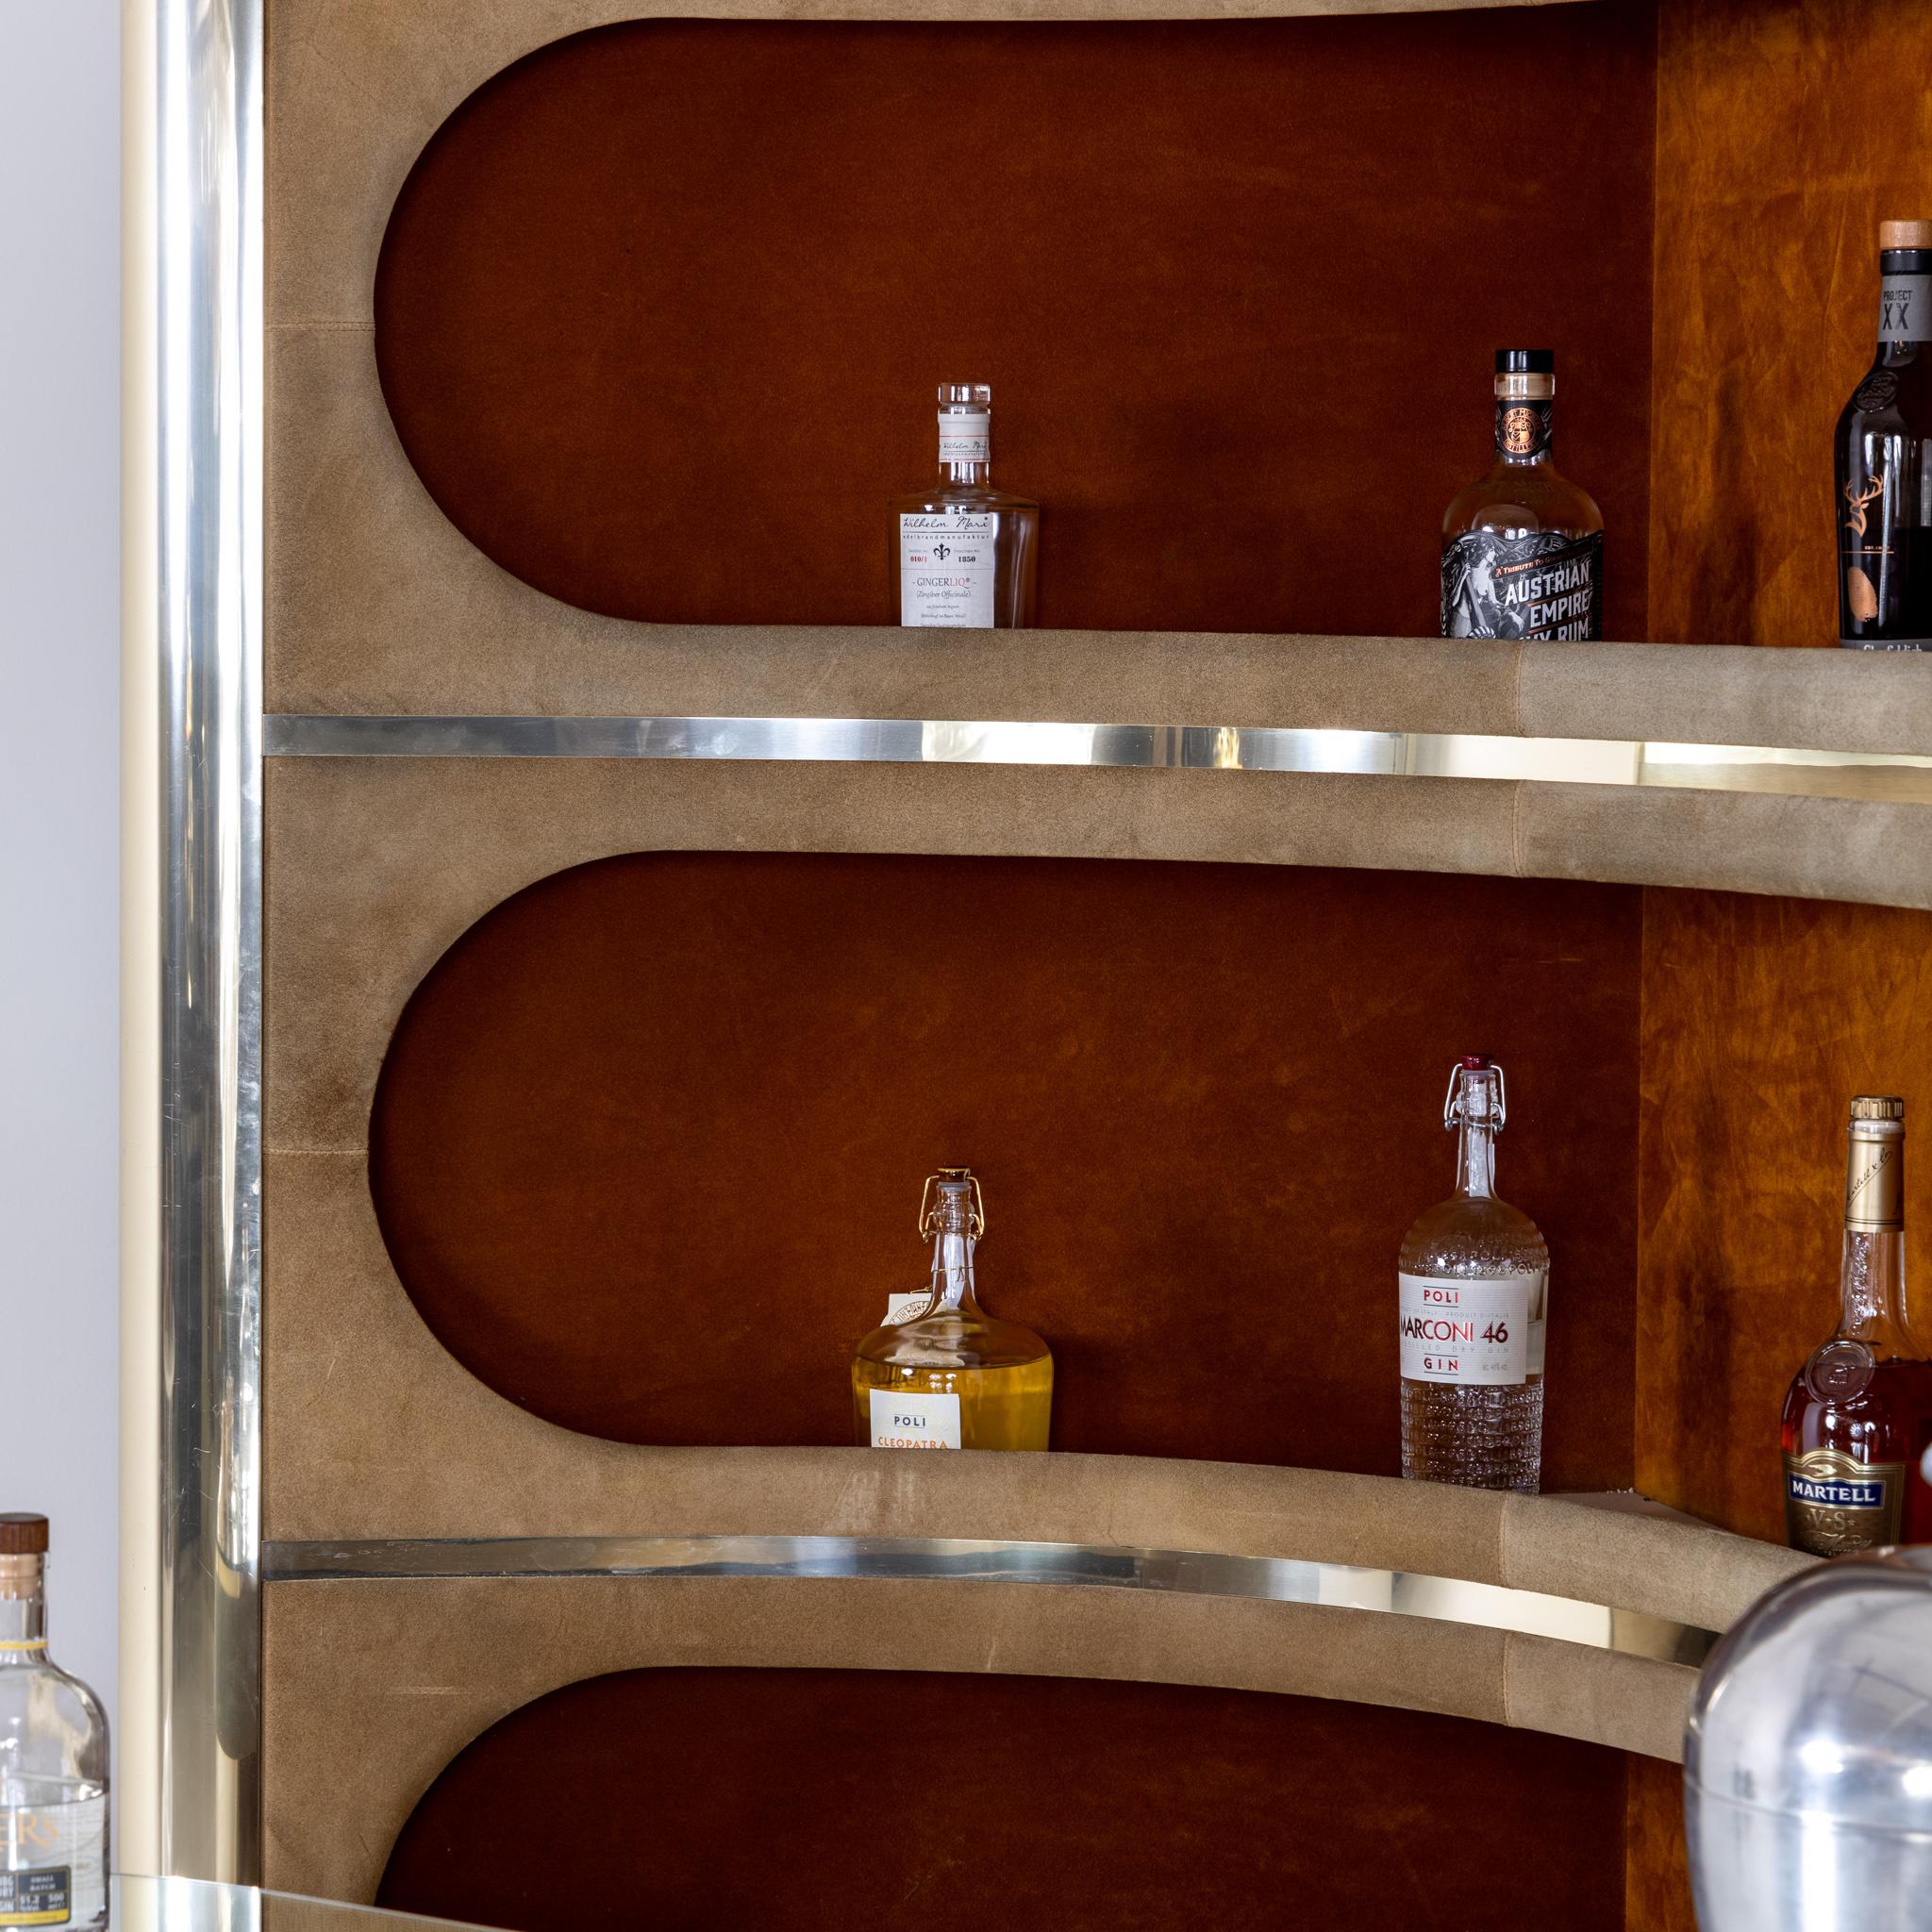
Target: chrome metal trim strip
[1191,1573]
[1901,778]
[200,1592]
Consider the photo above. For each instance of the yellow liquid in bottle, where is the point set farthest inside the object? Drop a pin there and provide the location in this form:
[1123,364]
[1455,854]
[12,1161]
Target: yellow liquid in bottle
[1002,1373]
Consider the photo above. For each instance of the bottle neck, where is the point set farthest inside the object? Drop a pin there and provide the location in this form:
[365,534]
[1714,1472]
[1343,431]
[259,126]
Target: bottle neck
[1905,303]
[965,449]
[1523,429]
[1872,1277]
[22,1610]
[1475,1159]
[952,1270]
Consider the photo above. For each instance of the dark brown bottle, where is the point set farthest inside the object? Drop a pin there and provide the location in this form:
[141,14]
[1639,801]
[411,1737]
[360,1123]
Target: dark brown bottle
[1522,546]
[1884,478]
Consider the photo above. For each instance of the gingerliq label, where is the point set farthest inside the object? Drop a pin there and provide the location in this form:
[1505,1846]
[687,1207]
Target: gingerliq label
[914,1422]
[1542,584]
[901,1309]
[1480,1334]
[946,565]
[1835,1503]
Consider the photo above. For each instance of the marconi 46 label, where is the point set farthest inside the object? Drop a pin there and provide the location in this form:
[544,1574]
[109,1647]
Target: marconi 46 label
[1481,1334]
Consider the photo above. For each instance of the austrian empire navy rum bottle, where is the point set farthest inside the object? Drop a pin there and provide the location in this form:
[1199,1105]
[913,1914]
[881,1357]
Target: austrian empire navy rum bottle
[949,1375]
[1523,547]
[1474,1290]
[1858,1416]
[1883,479]
[967,554]
[53,1757]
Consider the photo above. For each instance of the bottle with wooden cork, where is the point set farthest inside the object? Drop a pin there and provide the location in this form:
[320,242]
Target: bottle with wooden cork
[53,1756]
[1884,478]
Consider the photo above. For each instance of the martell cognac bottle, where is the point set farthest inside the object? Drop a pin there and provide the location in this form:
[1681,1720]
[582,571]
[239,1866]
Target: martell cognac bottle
[952,1377]
[1523,547]
[1884,478]
[1858,1417]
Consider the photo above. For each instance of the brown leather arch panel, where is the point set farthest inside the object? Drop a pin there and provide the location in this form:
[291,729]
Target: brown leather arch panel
[807,1799]
[649,1139]
[660,308]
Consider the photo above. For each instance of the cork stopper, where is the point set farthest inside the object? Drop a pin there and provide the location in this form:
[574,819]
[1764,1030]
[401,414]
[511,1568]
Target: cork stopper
[23,1534]
[1905,234]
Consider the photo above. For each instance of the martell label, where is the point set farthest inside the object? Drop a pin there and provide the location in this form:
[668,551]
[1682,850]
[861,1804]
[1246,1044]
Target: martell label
[946,562]
[914,1422]
[1542,585]
[1482,1334]
[1835,1503]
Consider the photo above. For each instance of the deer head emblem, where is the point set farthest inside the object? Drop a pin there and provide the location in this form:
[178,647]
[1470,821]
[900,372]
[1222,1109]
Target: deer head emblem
[1856,522]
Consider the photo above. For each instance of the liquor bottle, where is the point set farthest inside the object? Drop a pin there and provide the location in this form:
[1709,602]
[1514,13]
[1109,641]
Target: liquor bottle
[1475,1278]
[1883,479]
[1857,1419]
[952,1377]
[1523,547]
[53,1757]
[967,553]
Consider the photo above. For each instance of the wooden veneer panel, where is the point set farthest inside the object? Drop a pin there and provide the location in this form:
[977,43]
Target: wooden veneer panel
[1786,130]
[815,1799]
[1761,1018]
[649,1139]
[660,307]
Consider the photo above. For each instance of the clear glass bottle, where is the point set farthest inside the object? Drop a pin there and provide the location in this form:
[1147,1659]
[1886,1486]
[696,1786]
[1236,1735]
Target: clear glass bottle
[1522,546]
[952,1377]
[967,554]
[1858,1417]
[1884,478]
[53,1756]
[1474,1282]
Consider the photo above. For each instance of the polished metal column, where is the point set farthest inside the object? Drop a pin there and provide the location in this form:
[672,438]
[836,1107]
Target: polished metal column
[193,994]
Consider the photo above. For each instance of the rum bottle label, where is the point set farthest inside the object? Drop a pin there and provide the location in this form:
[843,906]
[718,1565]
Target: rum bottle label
[1544,584]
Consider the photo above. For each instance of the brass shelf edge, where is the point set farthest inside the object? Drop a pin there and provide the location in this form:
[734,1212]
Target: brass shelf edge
[1889,778]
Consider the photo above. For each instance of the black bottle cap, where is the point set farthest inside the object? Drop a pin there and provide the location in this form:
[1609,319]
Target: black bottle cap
[1525,362]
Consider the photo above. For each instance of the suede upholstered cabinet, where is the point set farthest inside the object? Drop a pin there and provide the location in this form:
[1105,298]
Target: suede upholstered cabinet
[600,1083]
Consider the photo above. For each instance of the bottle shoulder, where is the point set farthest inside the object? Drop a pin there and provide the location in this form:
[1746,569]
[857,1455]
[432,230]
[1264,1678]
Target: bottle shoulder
[953,1338]
[1520,499]
[51,1723]
[1473,1237]
[960,496]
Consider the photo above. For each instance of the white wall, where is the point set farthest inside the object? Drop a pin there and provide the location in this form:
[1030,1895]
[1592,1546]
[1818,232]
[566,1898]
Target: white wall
[59,788]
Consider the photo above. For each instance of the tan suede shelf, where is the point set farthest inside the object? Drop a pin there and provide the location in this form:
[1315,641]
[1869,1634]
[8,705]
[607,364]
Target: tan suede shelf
[417,1668]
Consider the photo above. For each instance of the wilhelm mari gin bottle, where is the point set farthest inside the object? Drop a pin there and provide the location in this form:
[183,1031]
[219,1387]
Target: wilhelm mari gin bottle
[966,553]
[1474,1283]
[952,1377]
[53,1757]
